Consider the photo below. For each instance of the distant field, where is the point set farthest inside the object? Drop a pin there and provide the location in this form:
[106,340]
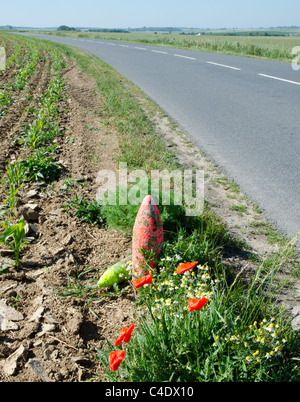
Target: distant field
[267,47]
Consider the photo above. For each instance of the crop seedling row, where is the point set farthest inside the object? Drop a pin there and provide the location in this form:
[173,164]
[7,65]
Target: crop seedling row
[36,137]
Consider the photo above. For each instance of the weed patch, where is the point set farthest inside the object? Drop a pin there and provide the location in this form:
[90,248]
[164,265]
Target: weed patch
[235,337]
[41,168]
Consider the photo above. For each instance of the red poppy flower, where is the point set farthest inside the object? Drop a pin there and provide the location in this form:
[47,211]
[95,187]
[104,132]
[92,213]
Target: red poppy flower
[125,335]
[137,283]
[197,304]
[185,266]
[115,359]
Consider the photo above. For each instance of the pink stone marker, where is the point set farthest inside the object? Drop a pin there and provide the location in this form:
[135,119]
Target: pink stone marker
[147,235]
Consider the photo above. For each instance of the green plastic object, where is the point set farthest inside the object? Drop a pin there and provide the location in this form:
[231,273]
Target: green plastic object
[115,274]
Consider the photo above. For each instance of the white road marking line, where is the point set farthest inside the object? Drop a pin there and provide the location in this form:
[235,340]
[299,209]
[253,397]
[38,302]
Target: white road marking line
[159,51]
[279,79]
[123,46]
[111,44]
[224,65]
[139,48]
[185,57]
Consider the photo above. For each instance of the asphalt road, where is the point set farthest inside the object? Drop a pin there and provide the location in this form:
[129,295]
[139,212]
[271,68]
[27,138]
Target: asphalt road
[243,112]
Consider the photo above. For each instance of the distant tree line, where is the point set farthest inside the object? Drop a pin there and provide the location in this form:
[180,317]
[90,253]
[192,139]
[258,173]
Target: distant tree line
[158,29]
[66,28]
[239,33]
[108,30]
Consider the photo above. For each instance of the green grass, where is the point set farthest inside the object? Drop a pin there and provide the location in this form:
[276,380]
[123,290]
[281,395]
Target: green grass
[267,47]
[237,337]
[90,212]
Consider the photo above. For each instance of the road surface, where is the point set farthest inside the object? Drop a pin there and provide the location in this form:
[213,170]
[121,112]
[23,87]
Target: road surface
[244,113]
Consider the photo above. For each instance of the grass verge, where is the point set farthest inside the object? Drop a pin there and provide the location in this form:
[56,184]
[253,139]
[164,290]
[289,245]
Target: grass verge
[266,47]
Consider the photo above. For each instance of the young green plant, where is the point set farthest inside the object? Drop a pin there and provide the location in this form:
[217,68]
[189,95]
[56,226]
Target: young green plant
[13,237]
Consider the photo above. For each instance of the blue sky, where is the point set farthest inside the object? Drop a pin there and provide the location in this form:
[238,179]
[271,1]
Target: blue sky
[138,13]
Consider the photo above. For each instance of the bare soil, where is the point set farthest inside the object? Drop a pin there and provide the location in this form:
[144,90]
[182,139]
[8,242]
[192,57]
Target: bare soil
[55,338]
